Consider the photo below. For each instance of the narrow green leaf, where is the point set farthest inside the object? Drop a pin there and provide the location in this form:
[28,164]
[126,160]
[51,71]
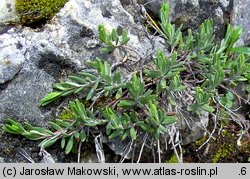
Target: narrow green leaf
[169,120]
[42,130]
[13,122]
[126,103]
[93,123]
[106,69]
[67,85]
[79,90]
[77,135]
[106,93]
[164,12]
[38,133]
[115,36]
[107,49]
[9,129]
[61,86]
[66,135]
[28,126]
[18,125]
[54,125]
[125,38]
[163,129]
[63,142]
[134,117]
[69,145]
[230,96]
[118,93]
[80,110]
[108,128]
[163,83]
[121,85]
[83,135]
[125,134]
[92,91]
[133,133]
[62,123]
[115,134]
[117,77]
[239,79]
[153,111]
[49,142]
[157,133]
[50,98]
[77,79]
[109,88]
[103,36]
[207,108]
[146,98]
[145,127]
[30,136]
[69,92]
[152,74]
[92,64]
[125,120]
[89,75]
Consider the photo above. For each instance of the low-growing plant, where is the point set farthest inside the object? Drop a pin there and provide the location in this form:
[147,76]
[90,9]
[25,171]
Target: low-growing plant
[149,98]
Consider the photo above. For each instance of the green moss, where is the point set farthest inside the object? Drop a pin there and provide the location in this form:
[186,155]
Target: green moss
[222,149]
[173,159]
[201,141]
[223,153]
[226,147]
[66,114]
[226,134]
[30,11]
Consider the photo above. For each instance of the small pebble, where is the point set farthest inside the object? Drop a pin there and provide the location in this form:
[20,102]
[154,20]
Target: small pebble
[1,160]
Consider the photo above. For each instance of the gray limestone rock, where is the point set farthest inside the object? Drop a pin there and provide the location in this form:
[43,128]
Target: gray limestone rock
[32,59]
[7,11]
[12,55]
[241,17]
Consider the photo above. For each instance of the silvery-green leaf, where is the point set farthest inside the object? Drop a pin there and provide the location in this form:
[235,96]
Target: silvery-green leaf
[63,142]
[69,145]
[50,98]
[133,133]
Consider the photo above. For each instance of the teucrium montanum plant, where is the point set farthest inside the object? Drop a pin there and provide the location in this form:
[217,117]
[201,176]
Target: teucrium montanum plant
[147,99]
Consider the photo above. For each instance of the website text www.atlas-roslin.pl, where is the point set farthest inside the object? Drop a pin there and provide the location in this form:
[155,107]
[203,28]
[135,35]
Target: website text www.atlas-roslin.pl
[158,171]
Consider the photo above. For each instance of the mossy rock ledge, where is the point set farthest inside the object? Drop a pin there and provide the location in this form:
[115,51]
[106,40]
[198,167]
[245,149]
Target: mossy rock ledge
[34,11]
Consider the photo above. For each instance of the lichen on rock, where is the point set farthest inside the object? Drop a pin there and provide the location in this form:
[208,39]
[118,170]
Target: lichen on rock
[30,11]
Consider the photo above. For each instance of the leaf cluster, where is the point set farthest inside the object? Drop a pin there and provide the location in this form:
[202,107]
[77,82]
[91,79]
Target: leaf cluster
[112,40]
[128,105]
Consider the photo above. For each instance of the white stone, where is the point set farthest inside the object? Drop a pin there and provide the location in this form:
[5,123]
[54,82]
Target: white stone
[194,2]
[7,11]
[11,56]
[241,17]
[224,3]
